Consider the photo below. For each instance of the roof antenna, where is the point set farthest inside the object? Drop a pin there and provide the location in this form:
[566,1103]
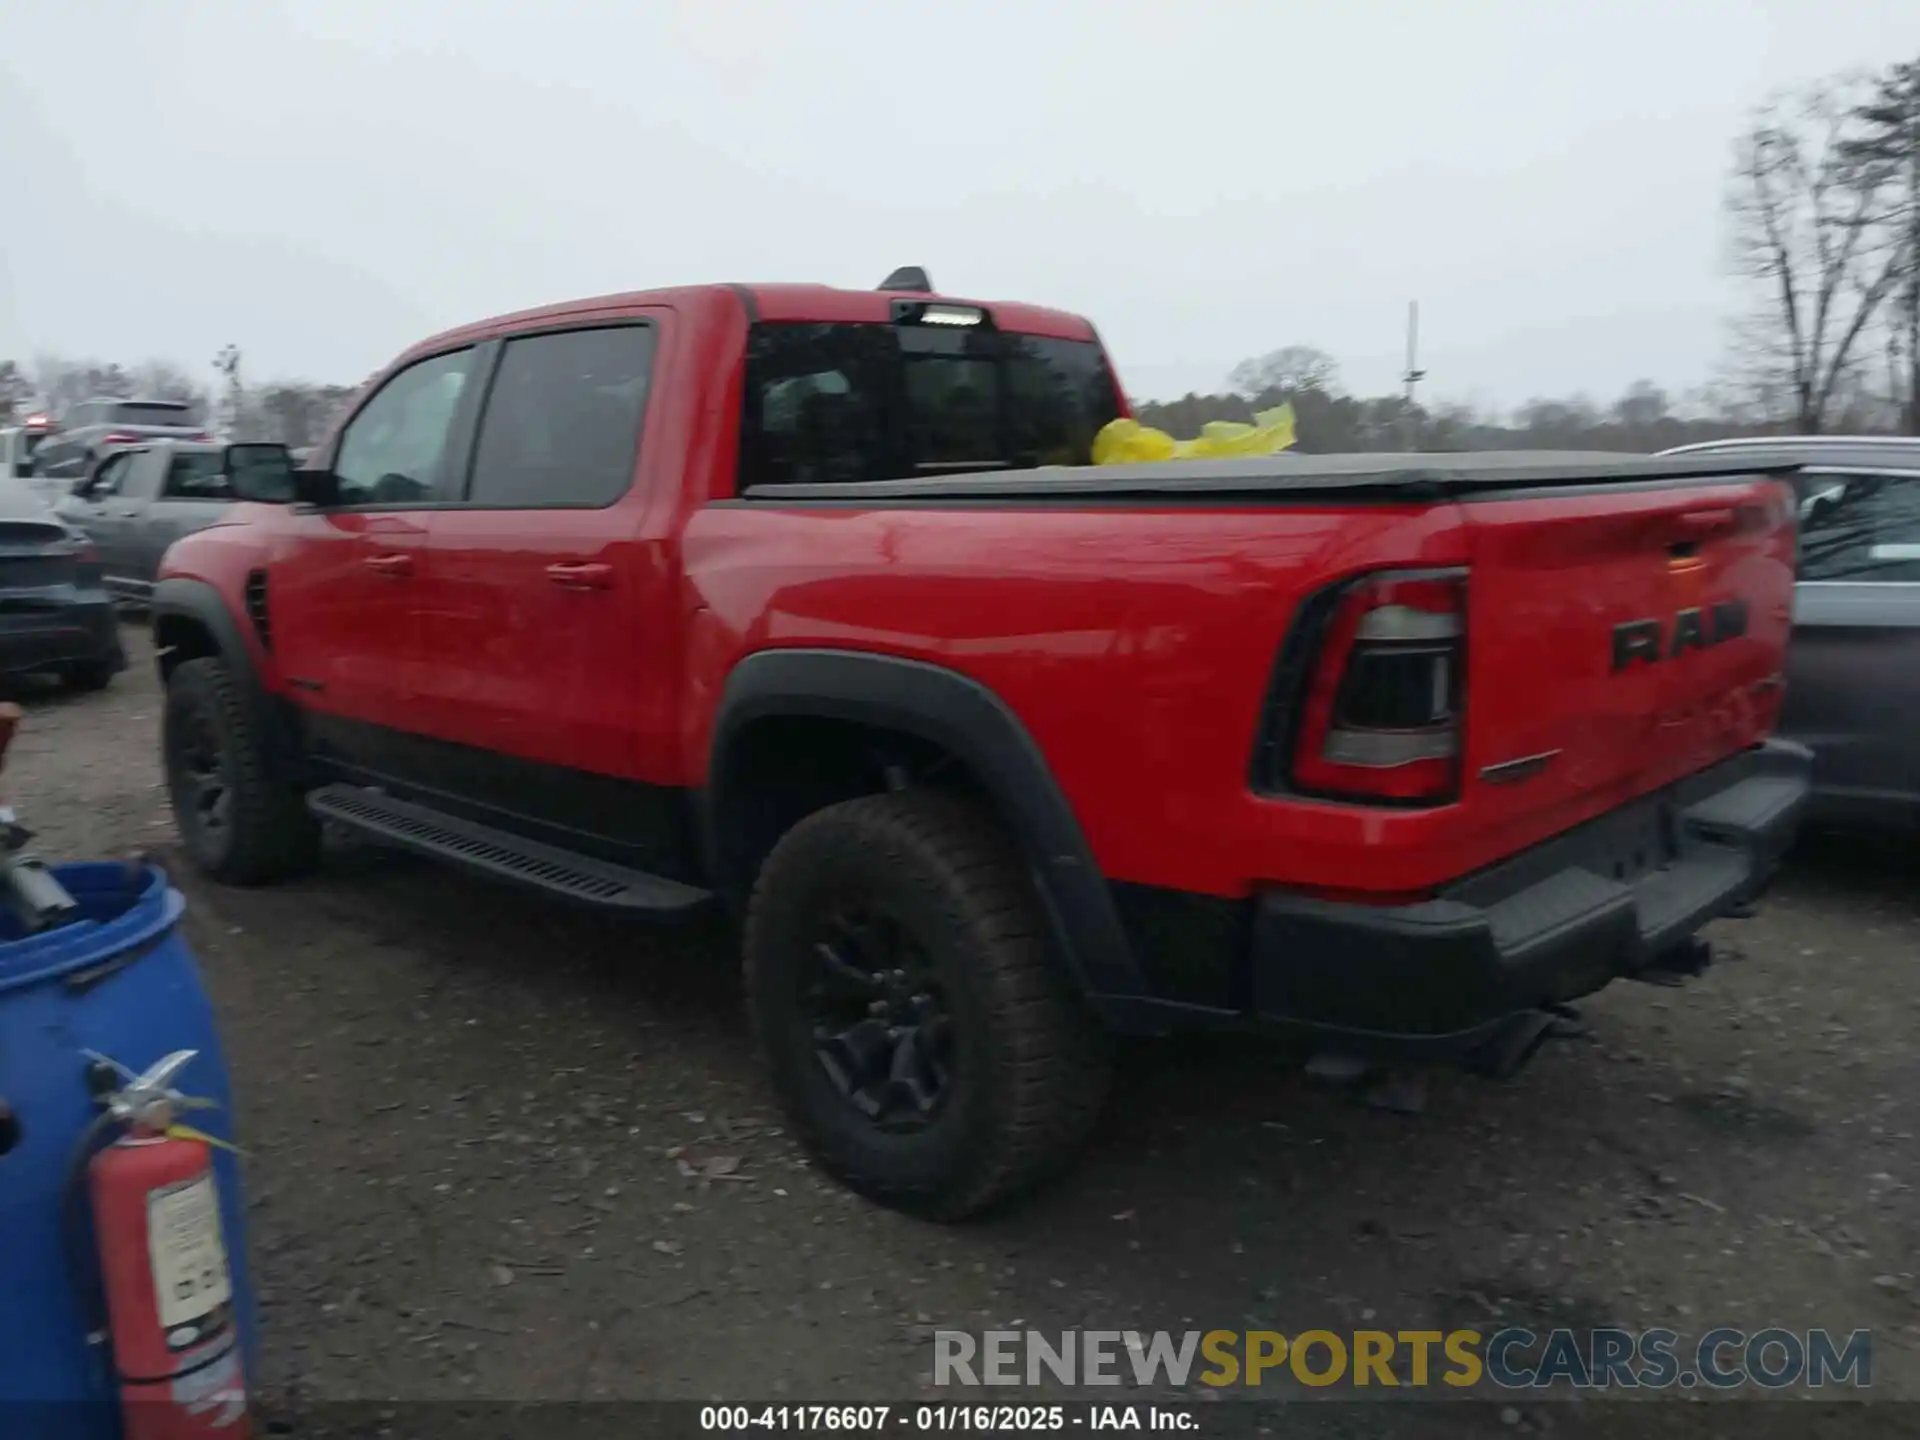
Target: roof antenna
[909,278]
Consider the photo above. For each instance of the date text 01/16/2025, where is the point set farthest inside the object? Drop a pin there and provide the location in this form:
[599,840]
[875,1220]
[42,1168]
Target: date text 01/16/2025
[987,1419]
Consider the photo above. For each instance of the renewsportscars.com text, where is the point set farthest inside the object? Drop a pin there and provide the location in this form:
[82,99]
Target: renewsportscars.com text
[1510,1359]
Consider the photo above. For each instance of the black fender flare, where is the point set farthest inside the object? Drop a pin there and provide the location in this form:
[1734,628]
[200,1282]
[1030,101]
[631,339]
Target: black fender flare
[971,723]
[200,602]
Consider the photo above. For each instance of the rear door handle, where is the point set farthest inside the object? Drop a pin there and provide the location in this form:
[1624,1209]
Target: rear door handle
[396,566]
[128,514]
[581,575]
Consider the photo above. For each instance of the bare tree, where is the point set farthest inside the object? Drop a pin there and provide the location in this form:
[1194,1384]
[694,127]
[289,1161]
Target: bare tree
[164,380]
[1887,144]
[16,393]
[1288,370]
[1809,226]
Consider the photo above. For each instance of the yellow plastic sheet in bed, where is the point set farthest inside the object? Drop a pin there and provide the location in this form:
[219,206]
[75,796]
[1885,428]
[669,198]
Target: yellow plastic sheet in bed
[1128,442]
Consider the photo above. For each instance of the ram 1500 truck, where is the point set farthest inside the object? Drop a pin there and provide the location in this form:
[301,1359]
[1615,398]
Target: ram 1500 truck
[804,601]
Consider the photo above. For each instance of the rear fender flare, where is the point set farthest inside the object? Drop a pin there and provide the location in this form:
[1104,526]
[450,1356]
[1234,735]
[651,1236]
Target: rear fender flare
[969,722]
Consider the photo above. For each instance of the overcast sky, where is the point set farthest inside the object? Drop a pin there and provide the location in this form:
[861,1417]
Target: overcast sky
[324,182]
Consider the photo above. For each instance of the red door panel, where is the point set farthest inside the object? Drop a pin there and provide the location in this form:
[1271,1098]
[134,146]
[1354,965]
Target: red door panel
[343,589]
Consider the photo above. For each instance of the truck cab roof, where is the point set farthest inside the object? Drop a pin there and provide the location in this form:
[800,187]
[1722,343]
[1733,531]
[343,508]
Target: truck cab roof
[777,303]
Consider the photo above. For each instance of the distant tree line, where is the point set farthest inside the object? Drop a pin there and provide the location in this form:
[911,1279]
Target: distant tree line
[293,412]
[1329,420]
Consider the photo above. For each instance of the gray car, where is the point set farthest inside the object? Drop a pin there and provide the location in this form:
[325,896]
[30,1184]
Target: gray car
[1853,674]
[138,500]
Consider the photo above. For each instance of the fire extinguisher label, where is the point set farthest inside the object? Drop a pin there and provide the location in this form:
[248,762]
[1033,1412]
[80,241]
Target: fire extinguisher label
[189,1257]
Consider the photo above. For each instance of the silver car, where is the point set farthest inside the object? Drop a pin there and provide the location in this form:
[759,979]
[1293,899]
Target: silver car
[136,501]
[1853,674]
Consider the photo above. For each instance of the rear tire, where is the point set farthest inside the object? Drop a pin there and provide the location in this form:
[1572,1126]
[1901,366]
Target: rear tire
[1000,1069]
[238,824]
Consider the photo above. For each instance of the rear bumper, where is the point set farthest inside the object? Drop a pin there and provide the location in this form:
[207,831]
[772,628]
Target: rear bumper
[51,636]
[1621,896]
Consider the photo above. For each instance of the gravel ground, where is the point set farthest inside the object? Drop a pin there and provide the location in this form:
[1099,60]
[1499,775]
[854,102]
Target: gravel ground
[502,1150]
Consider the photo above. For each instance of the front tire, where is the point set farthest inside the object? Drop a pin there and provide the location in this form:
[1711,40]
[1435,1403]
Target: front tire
[239,825]
[929,1050]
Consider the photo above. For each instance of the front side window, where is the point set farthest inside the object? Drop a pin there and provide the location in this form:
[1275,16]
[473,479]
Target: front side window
[108,479]
[394,452]
[829,403]
[562,421]
[1859,525]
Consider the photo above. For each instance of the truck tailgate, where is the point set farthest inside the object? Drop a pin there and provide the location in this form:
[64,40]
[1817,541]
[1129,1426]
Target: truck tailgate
[1619,637]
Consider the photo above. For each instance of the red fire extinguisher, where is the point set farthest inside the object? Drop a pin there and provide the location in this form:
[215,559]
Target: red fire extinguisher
[171,1328]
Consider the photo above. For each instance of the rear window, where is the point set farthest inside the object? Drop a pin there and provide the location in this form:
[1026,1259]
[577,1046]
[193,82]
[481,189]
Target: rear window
[854,402]
[151,412]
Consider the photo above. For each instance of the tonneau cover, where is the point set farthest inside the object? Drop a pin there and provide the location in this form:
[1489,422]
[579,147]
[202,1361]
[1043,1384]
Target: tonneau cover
[1413,476]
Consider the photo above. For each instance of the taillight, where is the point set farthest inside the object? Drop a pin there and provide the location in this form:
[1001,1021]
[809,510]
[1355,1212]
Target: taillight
[1381,717]
[118,438]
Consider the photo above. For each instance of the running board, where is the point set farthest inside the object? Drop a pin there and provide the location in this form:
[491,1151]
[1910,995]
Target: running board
[505,856]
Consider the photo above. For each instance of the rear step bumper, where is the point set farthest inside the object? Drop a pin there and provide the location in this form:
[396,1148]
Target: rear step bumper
[1620,897]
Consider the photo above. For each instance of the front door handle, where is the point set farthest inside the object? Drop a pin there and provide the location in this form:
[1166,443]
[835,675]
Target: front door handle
[396,566]
[128,514]
[581,575]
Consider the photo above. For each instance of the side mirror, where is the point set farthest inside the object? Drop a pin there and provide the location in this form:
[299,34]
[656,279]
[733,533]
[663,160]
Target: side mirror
[260,472]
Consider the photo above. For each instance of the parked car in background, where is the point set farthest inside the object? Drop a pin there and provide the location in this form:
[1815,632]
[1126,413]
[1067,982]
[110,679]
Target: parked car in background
[138,500]
[1853,671]
[55,616]
[93,427]
[19,455]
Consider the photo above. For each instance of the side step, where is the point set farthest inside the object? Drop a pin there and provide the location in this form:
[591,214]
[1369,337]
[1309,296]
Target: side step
[505,856]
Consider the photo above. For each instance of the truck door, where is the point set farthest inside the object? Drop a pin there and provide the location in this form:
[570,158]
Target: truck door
[547,626]
[346,582]
[100,506]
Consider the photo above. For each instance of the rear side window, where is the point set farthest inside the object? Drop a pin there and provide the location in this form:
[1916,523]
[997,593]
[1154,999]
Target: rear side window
[852,402]
[196,475]
[1859,525]
[562,421]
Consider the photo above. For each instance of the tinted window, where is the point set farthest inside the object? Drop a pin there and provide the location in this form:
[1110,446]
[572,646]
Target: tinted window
[394,451]
[871,402]
[562,423]
[196,475]
[152,412]
[1859,526]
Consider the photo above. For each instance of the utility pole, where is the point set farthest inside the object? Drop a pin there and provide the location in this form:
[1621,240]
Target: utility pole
[1414,373]
[227,365]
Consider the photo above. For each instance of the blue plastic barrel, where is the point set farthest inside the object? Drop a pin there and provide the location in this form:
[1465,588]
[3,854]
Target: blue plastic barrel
[121,982]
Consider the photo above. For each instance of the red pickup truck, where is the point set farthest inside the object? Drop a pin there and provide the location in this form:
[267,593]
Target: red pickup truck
[806,602]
